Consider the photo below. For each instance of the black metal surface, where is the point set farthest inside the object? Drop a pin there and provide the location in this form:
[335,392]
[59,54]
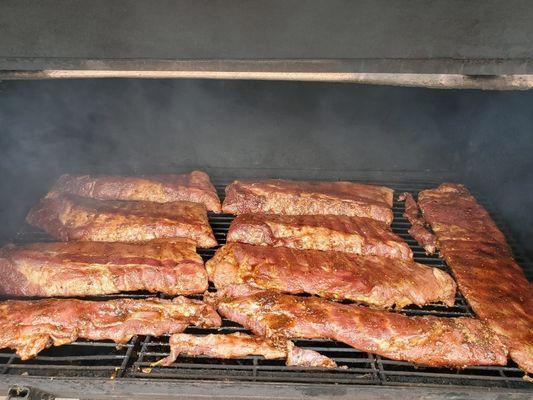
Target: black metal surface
[99,359]
[454,36]
[17,392]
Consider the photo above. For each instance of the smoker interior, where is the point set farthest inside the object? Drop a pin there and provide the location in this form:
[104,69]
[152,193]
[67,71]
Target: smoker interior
[408,139]
[101,359]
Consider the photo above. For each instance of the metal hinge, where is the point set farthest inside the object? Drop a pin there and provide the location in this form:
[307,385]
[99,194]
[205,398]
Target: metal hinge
[17,392]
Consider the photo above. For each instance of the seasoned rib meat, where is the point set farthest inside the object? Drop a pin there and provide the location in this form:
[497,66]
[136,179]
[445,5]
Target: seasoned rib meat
[236,345]
[319,232]
[169,266]
[195,187]
[70,217]
[296,356]
[31,326]
[482,262]
[426,340]
[377,281]
[424,237]
[454,214]
[276,196]
[418,228]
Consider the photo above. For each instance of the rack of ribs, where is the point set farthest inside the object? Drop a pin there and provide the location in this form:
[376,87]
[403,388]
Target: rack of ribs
[418,229]
[29,327]
[169,266]
[238,345]
[355,235]
[276,196]
[377,281]
[428,340]
[194,187]
[482,262]
[70,217]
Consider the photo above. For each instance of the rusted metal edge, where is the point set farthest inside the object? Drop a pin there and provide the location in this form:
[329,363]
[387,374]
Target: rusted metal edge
[436,81]
[490,74]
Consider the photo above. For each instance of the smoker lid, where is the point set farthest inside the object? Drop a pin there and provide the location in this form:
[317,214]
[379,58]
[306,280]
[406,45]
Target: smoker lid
[437,44]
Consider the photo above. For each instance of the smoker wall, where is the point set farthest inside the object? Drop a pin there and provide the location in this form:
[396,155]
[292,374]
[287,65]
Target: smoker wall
[49,127]
[488,37]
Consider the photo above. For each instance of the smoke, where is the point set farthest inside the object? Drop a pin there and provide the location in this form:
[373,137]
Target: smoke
[498,157]
[136,126]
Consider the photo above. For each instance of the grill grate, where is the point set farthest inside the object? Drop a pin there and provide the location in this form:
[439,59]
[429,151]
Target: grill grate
[81,358]
[133,360]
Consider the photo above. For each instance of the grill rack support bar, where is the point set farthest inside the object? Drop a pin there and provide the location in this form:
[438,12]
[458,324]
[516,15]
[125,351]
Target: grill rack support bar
[135,389]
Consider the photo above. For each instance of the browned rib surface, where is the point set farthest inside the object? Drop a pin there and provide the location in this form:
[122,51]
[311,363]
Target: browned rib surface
[276,196]
[426,340]
[377,281]
[70,217]
[418,228]
[299,357]
[355,235]
[482,262]
[237,345]
[169,266]
[31,326]
[195,187]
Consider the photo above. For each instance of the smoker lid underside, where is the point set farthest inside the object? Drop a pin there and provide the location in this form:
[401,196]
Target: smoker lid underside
[102,369]
[448,44]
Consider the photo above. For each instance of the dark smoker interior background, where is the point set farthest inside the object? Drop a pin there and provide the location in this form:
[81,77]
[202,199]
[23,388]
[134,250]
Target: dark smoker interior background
[484,139]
